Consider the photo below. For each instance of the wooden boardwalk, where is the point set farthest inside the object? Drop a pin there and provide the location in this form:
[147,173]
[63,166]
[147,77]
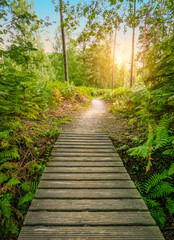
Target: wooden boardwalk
[86,193]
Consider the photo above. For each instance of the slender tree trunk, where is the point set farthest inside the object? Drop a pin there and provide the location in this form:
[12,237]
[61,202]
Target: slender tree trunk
[3,62]
[144,44]
[113,66]
[144,40]
[115,40]
[158,27]
[63,41]
[133,43]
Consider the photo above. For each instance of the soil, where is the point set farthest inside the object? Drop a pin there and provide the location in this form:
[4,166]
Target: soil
[98,119]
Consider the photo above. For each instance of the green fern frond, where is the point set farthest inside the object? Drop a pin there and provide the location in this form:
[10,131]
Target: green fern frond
[161,190]
[3,177]
[170,206]
[159,216]
[151,203]
[141,151]
[10,153]
[13,181]
[139,187]
[27,198]
[154,180]
[4,134]
[171,170]
[26,187]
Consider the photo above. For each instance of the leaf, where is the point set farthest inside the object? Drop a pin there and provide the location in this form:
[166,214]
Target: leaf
[14,228]
[10,153]
[13,182]
[141,151]
[171,170]
[3,177]
[170,206]
[26,187]
[5,207]
[27,198]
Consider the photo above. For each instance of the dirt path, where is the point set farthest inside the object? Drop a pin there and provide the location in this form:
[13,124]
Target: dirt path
[97,119]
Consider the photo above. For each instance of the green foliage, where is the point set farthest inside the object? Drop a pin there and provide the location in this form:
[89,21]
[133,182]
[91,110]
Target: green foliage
[159,138]
[157,192]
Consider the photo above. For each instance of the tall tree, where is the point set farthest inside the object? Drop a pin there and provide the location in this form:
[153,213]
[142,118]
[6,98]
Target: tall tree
[133,43]
[115,39]
[63,41]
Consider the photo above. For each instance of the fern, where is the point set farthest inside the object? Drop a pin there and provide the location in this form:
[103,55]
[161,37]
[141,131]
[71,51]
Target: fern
[4,134]
[3,177]
[13,181]
[170,206]
[151,203]
[141,151]
[10,153]
[171,170]
[163,189]
[156,190]
[154,180]
[27,198]
[159,216]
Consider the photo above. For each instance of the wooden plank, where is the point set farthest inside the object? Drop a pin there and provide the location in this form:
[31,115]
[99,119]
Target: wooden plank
[81,154]
[86,146]
[84,135]
[107,141]
[84,169]
[88,205]
[91,218]
[86,184]
[85,176]
[85,164]
[87,193]
[81,137]
[82,150]
[86,158]
[83,143]
[91,233]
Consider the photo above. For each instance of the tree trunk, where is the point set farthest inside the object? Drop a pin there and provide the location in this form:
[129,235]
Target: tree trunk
[63,42]
[115,39]
[133,42]
[144,40]
[113,67]
[158,27]
[3,64]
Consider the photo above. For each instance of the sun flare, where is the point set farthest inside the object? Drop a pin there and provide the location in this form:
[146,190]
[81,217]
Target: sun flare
[120,58]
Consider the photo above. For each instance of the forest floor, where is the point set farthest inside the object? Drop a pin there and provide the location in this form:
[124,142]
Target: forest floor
[97,118]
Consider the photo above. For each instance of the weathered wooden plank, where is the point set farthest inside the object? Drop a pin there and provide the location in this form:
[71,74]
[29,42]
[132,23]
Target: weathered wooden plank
[85,176]
[82,150]
[86,184]
[85,169]
[84,142]
[91,233]
[84,134]
[88,205]
[81,154]
[85,158]
[85,164]
[106,141]
[91,218]
[79,146]
[87,193]
[81,137]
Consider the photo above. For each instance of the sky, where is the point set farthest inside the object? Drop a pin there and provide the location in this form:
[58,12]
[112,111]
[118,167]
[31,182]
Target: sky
[45,8]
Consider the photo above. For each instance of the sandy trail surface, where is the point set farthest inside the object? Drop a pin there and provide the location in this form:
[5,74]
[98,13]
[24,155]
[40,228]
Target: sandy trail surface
[96,118]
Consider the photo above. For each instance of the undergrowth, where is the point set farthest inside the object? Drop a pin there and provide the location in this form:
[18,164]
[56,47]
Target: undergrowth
[149,153]
[26,138]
